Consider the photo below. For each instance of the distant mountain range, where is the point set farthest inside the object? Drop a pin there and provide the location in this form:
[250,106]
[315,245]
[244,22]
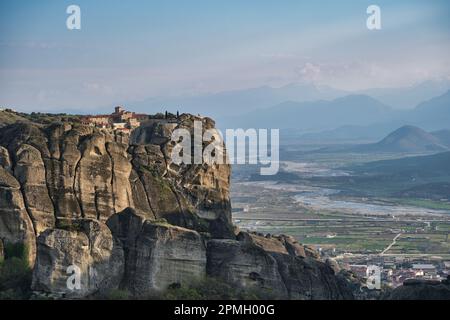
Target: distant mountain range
[407,139]
[237,102]
[347,116]
[443,136]
[234,103]
[314,115]
[308,112]
[433,113]
[409,97]
[344,134]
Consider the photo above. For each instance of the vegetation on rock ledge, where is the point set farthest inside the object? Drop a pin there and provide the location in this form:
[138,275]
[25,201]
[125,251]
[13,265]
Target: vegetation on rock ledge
[15,273]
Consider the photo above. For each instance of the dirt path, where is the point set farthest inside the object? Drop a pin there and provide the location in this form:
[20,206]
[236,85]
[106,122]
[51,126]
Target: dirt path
[392,243]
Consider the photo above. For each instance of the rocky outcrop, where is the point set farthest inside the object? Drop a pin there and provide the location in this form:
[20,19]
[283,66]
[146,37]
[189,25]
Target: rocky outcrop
[422,290]
[245,265]
[161,198]
[203,188]
[117,211]
[277,265]
[2,251]
[157,254]
[29,170]
[73,171]
[5,161]
[121,170]
[78,262]
[15,223]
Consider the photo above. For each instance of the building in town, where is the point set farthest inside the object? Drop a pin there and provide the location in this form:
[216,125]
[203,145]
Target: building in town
[427,271]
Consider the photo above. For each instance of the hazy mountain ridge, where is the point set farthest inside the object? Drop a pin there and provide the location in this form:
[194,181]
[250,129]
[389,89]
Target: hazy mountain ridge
[312,108]
[443,136]
[411,96]
[431,115]
[319,114]
[232,107]
[237,102]
[349,133]
[407,139]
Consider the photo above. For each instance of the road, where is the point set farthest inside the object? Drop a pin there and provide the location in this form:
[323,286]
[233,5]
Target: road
[392,243]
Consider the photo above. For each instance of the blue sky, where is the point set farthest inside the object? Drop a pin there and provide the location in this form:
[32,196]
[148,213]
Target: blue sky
[128,51]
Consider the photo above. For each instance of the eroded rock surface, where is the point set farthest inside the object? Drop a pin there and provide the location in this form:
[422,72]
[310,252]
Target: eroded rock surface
[2,251]
[422,290]
[117,208]
[15,223]
[157,254]
[78,262]
[203,188]
[277,265]
[30,172]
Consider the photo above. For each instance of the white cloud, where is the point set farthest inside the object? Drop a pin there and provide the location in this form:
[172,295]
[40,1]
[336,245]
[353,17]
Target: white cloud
[309,72]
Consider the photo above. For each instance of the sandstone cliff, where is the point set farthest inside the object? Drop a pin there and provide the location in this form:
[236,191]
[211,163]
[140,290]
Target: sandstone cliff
[118,209]
[417,289]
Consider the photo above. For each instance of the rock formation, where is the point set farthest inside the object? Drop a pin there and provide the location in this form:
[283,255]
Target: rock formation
[279,265]
[157,254]
[15,223]
[2,251]
[87,249]
[417,289]
[118,211]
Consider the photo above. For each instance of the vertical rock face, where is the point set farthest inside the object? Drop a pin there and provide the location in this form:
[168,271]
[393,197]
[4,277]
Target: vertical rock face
[74,171]
[161,198]
[157,254]
[200,188]
[15,223]
[30,172]
[61,168]
[244,265]
[2,251]
[94,178]
[121,170]
[275,264]
[207,186]
[165,255]
[119,211]
[5,161]
[311,279]
[77,263]
[419,289]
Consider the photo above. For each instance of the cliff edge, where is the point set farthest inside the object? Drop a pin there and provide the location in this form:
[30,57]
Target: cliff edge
[114,209]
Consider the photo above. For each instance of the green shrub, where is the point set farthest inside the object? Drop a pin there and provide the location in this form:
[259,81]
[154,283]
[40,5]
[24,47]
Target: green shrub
[118,294]
[10,294]
[15,273]
[214,289]
[201,225]
[69,225]
[16,250]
